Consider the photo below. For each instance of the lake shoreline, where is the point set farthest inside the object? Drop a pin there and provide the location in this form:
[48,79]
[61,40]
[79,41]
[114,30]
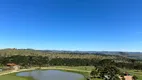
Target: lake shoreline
[82,72]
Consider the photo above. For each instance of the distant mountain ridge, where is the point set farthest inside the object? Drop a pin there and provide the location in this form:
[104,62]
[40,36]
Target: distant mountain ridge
[135,55]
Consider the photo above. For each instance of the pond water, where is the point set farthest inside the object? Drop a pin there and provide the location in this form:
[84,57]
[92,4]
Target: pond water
[51,75]
[0,70]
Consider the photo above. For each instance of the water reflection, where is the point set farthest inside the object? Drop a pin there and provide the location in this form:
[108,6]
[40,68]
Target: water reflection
[52,75]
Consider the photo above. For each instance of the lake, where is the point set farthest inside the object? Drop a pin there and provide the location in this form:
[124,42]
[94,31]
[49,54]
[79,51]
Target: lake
[51,75]
[0,70]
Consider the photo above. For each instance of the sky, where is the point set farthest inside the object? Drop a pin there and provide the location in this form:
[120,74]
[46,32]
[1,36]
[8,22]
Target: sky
[86,25]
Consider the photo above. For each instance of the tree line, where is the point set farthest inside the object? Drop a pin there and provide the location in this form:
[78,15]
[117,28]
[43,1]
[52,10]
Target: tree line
[29,61]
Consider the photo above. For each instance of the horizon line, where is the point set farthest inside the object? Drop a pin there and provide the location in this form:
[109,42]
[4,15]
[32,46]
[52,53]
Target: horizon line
[73,50]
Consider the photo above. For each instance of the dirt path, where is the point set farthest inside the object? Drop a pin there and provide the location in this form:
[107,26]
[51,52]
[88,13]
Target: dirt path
[9,72]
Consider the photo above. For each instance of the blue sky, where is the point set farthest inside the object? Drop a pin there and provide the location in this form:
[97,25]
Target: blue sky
[96,25]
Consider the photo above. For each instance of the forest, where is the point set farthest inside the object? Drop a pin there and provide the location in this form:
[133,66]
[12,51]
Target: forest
[29,58]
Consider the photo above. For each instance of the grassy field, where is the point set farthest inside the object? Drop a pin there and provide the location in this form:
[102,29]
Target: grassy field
[13,77]
[85,70]
[137,73]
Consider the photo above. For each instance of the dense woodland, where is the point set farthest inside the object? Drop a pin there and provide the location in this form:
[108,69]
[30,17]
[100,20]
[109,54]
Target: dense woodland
[29,58]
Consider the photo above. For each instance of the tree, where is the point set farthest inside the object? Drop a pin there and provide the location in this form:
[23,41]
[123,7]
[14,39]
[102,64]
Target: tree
[106,62]
[135,77]
[123,78]
[94,73]
[116,78]
[110,73]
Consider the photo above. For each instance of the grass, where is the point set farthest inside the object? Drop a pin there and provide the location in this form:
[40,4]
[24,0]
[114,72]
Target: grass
[85,70]
[137,73]
[14,77]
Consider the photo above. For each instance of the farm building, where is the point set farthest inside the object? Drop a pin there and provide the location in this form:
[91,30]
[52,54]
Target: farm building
[13,66]
[127,76]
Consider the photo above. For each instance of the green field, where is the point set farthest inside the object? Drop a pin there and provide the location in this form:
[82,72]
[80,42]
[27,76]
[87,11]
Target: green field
[137,73]
[82,70]
[13,77]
